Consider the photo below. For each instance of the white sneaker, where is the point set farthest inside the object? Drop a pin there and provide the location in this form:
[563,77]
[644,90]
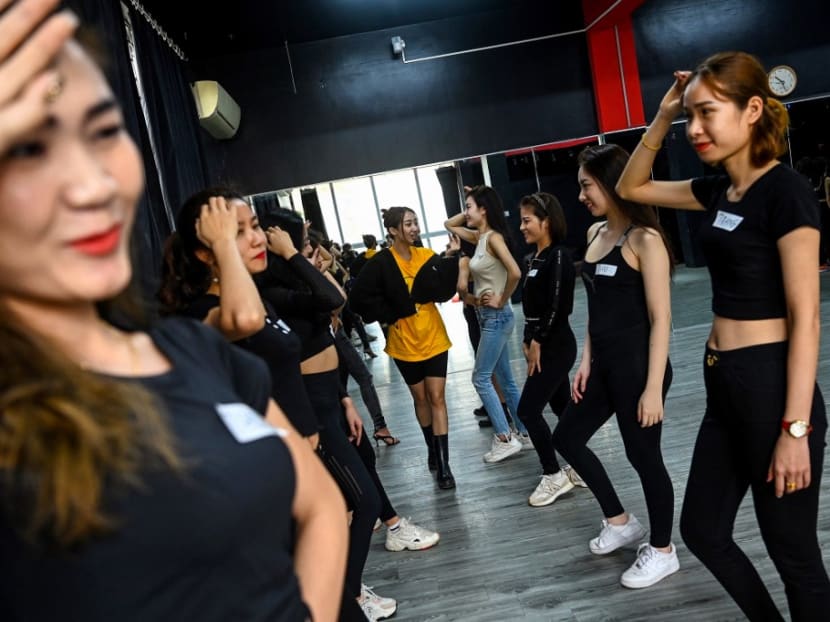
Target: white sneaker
[550,488]
[611,537]
[524,439]
[650,567]
[576,480]
[376,607]
[410,536]
[502,449]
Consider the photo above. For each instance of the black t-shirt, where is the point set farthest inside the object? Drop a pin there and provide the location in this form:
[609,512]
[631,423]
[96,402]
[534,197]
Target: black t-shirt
[739,240]
[279,347]
[211,544]
[548,294]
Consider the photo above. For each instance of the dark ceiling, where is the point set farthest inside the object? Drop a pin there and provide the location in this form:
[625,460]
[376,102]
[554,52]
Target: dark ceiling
[211,27]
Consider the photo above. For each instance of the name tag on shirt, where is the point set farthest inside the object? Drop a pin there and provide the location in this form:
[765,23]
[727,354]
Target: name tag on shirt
[727,221]
[605,269]
[245,423]
[533,272]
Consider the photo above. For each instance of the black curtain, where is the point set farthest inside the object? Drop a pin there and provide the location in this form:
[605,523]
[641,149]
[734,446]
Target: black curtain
[173,116]
[105,19]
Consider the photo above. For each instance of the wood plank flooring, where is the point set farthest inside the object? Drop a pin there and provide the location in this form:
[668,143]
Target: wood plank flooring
[498,558]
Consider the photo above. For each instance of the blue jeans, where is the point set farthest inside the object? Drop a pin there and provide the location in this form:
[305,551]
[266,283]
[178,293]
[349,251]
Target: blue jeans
[491,358]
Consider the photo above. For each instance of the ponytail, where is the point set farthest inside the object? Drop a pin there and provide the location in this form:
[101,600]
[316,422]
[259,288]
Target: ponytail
[769,134]
[184,277]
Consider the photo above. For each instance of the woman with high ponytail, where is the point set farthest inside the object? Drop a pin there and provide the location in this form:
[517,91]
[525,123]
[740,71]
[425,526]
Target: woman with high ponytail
[144,472]
[765,422]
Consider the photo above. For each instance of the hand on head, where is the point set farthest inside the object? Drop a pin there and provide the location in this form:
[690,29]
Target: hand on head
[30,38]
[216,222]
[279,242]
[672,104]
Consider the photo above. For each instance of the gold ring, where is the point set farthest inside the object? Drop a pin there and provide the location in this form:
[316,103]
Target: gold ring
[54,91]
[791,485]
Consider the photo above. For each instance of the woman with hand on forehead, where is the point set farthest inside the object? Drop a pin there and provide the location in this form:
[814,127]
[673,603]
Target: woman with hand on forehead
[765,423]
[144,474]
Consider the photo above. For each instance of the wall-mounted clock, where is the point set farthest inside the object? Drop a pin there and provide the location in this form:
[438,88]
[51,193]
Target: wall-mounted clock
[782,80]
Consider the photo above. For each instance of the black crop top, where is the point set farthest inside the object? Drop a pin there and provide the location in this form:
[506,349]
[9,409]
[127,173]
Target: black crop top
[279,347]
[211,544]
[616,295]
[739,240]
[302,297]
[548,294]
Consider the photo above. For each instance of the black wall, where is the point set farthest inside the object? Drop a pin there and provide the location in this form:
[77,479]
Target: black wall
[678,34]
[358,110]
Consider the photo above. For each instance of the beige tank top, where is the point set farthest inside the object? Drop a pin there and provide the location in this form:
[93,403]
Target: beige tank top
[489,273]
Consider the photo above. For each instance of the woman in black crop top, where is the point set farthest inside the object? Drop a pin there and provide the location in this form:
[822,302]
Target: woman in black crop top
[624,367]
[140,475]
[765,422]
[549,343]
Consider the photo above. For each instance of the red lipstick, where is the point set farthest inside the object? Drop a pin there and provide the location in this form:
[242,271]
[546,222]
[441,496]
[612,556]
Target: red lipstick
[99,244]
[700,147]
[262,255]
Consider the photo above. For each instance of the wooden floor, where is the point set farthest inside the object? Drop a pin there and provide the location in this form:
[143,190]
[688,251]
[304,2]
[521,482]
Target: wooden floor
[500,559]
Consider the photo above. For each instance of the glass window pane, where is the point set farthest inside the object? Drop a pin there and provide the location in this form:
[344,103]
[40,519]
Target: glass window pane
[434,207]
[327,209]
[398,189]
[356,208]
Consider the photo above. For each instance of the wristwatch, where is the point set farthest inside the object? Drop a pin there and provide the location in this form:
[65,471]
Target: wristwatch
[796,428]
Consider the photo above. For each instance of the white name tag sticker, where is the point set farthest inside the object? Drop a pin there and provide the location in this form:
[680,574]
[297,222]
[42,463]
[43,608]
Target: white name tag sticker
[246,424]
[727,221]
[533,272]
[605,269]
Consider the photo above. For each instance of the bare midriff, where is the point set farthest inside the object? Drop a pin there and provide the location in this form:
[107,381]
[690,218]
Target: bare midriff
[729,334]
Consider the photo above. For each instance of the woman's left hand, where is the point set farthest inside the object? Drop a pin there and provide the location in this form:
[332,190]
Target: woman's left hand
[453,246]
[354,421]
[650,408]
[790,465]
[490,299]
[533,354]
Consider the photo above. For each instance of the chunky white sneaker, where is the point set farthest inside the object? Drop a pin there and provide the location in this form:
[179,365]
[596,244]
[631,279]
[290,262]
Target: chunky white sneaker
[410,536]
[524,439]
[376,607]
[576,480]
[550,488]
[502,449]
[650,567]
[611,537]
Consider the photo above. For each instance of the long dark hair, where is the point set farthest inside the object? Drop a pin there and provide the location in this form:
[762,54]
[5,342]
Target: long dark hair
[488,199]
[393,216]
[605,163]
[184,276]
[545,206]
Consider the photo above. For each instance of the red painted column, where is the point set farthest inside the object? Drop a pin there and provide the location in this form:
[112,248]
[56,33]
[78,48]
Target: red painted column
[614,70]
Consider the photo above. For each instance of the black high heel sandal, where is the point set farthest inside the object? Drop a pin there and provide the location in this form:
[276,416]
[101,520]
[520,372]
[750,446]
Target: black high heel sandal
[386,439]
[368,353]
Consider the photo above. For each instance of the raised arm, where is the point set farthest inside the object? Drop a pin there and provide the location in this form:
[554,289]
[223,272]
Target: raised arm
[654,266]
[635,183]
[456,225]
[321,541]
[240,312]
[799,255]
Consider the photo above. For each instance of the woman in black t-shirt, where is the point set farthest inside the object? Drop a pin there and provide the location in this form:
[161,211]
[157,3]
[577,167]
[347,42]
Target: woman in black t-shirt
[765,420]
[139,479]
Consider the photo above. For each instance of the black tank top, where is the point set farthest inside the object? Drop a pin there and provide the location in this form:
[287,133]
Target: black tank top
[616,296]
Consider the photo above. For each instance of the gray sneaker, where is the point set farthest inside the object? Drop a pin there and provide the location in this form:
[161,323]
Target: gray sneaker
[550,488]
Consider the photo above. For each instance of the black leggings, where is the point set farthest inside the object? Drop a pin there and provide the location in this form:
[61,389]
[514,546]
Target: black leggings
[618,377]
[367,455]
[550,386]
[745,398]
[351,364]
[323,391]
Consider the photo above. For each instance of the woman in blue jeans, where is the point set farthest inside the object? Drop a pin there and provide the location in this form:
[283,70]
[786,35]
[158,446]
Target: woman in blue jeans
[495,275]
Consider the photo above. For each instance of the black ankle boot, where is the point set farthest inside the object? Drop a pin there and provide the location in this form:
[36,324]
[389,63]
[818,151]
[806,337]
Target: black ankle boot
[444,475]
[428,437]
